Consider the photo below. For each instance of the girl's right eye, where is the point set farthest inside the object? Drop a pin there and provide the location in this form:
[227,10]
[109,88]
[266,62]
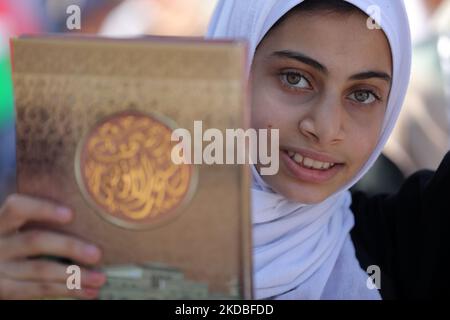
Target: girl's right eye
[294,80]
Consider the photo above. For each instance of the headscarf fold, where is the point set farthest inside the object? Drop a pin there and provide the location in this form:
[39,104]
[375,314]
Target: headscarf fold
[305,251]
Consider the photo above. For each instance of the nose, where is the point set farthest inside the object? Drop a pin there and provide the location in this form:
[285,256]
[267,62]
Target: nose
[323,123]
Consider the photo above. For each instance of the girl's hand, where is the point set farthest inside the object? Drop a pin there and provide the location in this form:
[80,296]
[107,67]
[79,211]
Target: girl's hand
[25,278]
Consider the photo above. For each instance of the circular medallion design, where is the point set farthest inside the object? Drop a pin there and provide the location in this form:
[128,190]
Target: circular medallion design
[124,169]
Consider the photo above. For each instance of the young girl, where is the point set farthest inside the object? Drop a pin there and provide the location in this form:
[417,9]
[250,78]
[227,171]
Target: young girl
[333,82]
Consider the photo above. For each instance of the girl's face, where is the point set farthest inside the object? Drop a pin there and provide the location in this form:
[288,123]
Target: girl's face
[323,80]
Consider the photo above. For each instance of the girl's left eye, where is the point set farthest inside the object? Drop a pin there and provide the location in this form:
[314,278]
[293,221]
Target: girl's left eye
[295,80]
[364,96]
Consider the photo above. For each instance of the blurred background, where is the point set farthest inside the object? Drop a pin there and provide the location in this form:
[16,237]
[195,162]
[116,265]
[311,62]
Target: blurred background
[420,140]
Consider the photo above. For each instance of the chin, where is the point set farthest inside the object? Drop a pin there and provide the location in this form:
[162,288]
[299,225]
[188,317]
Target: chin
[303,194]
[307,198]
[299,191]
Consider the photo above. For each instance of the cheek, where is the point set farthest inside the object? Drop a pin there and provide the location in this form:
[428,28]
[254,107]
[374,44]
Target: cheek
[269,111]
[361,144]
[363,133]
[264,111]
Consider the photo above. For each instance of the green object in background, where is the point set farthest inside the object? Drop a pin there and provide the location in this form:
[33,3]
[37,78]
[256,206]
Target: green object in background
[6,91]
[7,144]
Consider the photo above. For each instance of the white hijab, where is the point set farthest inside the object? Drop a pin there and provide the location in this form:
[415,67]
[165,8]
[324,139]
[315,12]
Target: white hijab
[305,251]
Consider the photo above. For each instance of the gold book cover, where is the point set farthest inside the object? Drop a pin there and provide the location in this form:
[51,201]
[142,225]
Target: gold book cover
[94,123]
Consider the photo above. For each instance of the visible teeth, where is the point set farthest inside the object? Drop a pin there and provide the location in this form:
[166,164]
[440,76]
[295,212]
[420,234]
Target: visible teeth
[307,162]
[318,165]
[298,158]
[310,163]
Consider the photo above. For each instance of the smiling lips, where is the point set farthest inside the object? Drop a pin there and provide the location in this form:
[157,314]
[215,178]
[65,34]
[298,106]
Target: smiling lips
[309,166]
[309,163]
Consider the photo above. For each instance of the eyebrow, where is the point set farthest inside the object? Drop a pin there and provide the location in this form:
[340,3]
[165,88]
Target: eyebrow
[298,56]
[301,58]
[372,74]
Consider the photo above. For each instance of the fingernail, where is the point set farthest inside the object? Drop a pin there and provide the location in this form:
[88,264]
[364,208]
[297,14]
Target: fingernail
[92,251]
[96,278]
[64,213]
[90,293]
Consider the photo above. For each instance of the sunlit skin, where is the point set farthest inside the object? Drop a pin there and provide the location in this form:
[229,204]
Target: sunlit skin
[323,80]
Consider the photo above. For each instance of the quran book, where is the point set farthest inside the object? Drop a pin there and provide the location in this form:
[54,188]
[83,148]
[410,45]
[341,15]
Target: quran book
[94,124]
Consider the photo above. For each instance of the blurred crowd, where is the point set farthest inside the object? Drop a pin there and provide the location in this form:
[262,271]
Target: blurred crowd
[112,18]
[420,140]
[422,135]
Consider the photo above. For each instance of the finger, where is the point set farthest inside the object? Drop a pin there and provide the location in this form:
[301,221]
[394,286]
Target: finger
[19,290]
[19,209]
[48,271]
[34,243]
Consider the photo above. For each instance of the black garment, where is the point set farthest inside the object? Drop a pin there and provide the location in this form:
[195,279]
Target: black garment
[408,235]
[383,177]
